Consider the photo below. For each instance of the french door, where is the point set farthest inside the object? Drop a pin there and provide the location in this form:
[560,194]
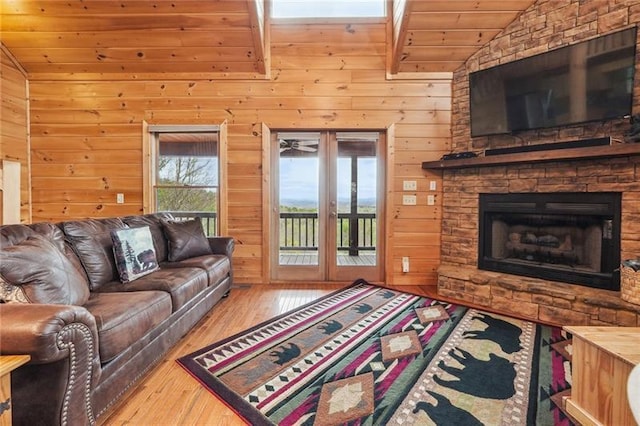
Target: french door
[327,210]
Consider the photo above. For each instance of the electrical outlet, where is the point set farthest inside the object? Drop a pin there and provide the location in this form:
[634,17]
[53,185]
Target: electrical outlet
[120,198]
[409,185]
[405,264]
[431,200]
[409,200]
[432,185]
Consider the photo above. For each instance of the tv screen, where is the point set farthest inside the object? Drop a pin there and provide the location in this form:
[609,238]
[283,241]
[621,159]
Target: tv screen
[587,81]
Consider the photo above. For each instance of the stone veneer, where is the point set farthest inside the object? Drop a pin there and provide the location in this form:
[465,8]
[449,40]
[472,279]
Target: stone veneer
[546,25]
[458,276]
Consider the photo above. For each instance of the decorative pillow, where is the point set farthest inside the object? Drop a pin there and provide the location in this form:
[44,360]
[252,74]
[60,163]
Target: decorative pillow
[10,293]
[43,273]
[186,239]
[134,253]
[155,226]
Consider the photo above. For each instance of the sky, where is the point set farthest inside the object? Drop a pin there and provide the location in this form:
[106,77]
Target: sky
[327,8]
[299,178]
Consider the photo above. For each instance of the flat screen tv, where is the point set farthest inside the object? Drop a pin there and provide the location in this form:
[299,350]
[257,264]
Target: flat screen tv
[583,82]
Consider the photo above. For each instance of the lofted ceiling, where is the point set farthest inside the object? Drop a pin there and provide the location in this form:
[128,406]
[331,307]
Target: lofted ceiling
[141,39]
[440,35]
[134,38]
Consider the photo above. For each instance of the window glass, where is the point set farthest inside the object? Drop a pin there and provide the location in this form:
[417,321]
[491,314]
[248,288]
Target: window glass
[328,9]
[187,177]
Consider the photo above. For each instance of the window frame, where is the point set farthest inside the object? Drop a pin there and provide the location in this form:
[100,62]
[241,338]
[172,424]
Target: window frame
[150,152]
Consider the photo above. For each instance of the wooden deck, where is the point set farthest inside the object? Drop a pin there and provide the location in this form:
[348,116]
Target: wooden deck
[311,258]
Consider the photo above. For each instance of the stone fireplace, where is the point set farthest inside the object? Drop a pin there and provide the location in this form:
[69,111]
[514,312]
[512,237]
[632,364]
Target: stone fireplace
[545,25]
[610,221]
[565,237]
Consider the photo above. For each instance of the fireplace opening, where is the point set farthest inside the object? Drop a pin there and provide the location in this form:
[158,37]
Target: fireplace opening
[567,237]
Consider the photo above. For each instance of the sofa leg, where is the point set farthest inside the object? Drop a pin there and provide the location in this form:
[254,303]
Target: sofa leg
[226,294]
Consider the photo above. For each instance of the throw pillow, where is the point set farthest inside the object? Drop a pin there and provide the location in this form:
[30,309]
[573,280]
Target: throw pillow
[186,239]
[134,253]
[43,272]
[155,226]
[10,293]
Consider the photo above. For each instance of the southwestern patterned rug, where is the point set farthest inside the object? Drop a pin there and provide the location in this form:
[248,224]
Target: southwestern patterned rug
[367,355]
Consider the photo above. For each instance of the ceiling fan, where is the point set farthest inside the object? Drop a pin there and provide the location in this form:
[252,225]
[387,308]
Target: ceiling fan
[299,145]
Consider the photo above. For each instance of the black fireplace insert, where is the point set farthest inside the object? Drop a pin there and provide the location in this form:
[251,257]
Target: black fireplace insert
[567,237]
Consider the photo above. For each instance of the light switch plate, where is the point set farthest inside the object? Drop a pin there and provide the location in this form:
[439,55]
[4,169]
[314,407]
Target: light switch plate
[409,200]
[432,185]
[120,198]
[405,264]
[409,185]
[431,200]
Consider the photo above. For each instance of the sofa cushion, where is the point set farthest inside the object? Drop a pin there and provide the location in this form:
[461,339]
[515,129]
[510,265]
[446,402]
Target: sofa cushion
[17,233]
[216,266]
[134,253]
[153,221]
[54,234]
[44,273]
[51,232]
[14,234]
[124,318]
[11,235]
[182,284]
[185,239]
[91,239]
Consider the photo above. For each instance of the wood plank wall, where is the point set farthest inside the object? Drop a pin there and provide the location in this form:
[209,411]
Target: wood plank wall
[14,135]
[87,135]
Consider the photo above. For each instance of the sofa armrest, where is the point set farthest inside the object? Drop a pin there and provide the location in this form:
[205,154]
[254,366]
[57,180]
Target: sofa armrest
[65,361]
[39,330]
[222,245]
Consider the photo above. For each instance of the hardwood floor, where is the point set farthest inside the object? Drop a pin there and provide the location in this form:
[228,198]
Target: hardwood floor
[168,395]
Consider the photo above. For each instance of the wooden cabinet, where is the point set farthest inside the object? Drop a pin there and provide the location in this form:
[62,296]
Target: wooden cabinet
[8,363]
[602,359]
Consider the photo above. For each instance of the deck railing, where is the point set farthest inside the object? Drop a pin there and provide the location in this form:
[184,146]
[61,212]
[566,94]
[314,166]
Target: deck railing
[355,231]
[299,231]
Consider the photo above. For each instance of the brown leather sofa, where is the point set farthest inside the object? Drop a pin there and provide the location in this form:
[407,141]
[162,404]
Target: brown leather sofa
[91,336]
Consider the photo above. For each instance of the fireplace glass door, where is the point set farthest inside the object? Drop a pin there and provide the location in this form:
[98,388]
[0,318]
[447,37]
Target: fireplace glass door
[571,238]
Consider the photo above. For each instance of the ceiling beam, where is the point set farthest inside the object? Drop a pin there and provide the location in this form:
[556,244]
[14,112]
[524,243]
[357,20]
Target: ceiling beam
[257,17]
[401,13]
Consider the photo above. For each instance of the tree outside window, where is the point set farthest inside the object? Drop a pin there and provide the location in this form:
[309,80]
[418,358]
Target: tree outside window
[187,177]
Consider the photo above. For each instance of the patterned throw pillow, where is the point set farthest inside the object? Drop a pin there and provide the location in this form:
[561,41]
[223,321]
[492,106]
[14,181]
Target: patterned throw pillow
[134,253]
[11,293]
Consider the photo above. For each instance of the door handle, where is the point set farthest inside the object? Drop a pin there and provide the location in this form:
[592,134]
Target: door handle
[333,214]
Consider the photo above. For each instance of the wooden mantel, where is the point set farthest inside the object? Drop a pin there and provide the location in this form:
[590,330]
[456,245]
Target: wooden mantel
[585,153]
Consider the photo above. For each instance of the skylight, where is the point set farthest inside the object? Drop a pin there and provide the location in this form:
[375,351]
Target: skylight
[328,8]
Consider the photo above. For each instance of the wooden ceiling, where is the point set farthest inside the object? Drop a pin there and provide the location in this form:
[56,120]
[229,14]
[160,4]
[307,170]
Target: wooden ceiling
[440,35]
[142,39]
[135,38]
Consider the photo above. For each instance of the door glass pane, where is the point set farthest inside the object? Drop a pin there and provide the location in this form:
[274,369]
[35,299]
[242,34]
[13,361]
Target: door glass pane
[187,177]
[299,198]
[357,202]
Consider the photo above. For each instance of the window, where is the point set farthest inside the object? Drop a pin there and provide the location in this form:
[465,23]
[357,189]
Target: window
[186,178]
[328,9]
